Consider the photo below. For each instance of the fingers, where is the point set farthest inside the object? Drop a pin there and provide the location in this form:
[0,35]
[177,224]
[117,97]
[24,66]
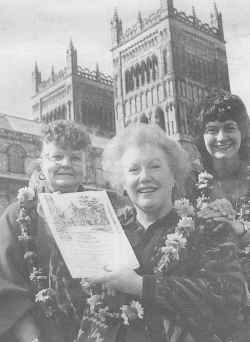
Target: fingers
[218,208]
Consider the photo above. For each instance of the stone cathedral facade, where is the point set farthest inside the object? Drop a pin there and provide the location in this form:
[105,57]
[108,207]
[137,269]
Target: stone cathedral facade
[75,93]
[165,64]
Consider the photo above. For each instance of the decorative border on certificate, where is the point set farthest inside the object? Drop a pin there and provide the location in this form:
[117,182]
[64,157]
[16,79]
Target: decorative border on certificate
[87,233]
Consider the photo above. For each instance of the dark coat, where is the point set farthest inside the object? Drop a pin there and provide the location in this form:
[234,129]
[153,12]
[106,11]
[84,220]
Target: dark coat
[199,298]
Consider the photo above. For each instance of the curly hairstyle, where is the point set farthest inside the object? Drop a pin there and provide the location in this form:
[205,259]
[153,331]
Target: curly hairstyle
[139,135]
[65,133]
[220,106]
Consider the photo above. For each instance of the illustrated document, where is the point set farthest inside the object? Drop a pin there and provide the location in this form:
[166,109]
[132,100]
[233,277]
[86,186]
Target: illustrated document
[88,234]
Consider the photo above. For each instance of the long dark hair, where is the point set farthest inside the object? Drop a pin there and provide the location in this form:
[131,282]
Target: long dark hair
[220,106]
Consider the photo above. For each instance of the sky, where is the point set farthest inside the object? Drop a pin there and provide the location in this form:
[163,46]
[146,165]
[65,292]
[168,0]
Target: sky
[32,30]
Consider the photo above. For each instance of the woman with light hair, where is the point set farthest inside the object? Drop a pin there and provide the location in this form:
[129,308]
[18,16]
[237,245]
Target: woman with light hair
[189,285]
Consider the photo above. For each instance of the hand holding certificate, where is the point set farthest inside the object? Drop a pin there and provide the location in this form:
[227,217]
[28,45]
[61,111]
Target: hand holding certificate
[88,233]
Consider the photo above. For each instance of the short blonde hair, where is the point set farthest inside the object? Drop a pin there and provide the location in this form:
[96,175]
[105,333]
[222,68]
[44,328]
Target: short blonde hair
[139,135]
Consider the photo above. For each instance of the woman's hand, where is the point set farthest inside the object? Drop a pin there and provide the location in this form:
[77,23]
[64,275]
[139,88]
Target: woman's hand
[218,209]
[126,281]
[222,211]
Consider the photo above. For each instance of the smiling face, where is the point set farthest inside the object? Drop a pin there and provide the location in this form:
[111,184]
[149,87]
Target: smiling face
[222,139]
[63,168]
[148,179]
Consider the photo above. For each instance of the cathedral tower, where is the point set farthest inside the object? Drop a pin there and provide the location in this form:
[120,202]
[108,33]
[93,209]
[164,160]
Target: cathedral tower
[164,64]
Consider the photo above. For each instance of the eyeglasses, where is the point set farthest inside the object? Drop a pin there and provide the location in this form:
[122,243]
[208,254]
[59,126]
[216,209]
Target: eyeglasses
[58,158]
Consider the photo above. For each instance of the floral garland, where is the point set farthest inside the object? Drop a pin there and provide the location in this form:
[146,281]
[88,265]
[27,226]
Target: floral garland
[27,222]
[205,186]
[177,241]
[97,311]
[101,315]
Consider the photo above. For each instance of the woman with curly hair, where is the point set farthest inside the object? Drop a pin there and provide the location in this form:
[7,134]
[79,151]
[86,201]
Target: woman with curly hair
[189,286]
[29,260]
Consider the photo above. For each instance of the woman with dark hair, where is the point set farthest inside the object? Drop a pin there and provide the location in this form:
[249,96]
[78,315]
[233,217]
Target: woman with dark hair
[31,268]
[223,140]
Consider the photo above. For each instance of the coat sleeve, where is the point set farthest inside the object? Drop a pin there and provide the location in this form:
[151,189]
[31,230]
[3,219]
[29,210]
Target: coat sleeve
[15,296]
[209,292]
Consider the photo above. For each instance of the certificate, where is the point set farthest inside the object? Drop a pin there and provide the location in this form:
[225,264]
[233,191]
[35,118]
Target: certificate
[88,234]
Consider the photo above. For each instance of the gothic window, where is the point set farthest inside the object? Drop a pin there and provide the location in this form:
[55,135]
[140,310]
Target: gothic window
[83,116]
[160,93]
[69,109]
[16,158]
[64,110]
[148,98]
[116,86]
[132,105]
[159,118]
[128,122]
[137,75]
[138,103]
[184,88]
[195,94]
[179,90]
[143,119]
[148,70]
[127,108]
[154,96]
[154,68]
[127,81]
[132,79]
[167,119]
[165,62]
[143,101]
[56,114]
[143,72]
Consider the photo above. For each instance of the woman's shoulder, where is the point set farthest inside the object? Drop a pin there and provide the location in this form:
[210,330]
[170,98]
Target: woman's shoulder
[8,221]
[11,211]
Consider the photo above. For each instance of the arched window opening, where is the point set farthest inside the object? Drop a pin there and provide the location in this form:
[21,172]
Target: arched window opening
[154,68]
[16,159]
[143,119]
[137,75]
[148,69]
[64,110]
[159,118]
[143,72]
[127,81]
[165,62]
[132,79]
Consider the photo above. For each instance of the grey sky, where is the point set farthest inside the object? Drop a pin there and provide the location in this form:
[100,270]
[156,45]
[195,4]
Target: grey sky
[32,30]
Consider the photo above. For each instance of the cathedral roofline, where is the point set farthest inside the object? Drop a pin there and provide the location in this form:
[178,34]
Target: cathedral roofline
[19,125]
[162,13]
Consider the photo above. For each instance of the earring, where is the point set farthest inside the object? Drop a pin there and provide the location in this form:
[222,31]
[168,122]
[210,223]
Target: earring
[41,176]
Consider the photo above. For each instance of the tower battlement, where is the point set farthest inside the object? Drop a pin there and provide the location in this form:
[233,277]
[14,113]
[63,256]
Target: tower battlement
[167,9]
[94,75]
[82,72]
